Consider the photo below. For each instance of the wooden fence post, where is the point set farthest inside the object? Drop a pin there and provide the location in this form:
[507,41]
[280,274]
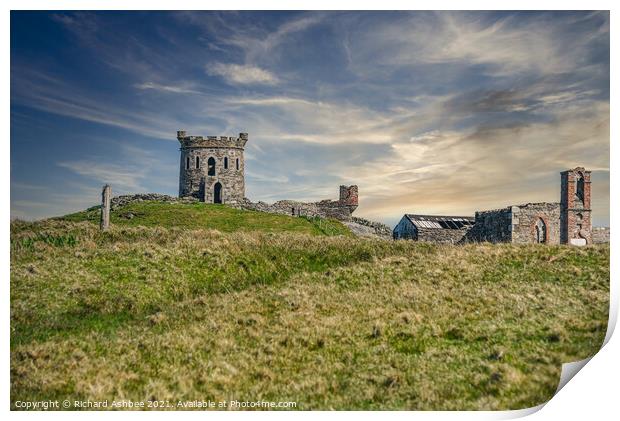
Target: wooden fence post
[106,195]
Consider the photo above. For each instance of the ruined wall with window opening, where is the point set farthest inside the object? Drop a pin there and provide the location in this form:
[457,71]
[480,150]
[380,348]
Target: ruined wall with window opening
[518,224]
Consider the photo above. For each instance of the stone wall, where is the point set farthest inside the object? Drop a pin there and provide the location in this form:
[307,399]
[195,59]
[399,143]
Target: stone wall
[120,201]
[600,235]
[525,217]
[338,209]
[335,209]
[443,236]
[516,224]
[194,178]
[379,228]
[493,226]
[283,207]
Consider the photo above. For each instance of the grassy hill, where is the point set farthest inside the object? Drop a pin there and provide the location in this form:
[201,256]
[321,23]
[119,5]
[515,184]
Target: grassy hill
[330,322]
[209,216]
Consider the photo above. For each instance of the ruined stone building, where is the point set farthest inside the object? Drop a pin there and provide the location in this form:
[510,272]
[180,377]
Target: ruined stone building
[212,168]
[566,222]
[212,171]
[341,209]
[433,228]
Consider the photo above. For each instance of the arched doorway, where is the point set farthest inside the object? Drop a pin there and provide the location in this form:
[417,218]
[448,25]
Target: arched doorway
[217,193]
[541,231]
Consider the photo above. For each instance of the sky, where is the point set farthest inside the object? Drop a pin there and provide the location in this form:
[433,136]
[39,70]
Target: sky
[427,112]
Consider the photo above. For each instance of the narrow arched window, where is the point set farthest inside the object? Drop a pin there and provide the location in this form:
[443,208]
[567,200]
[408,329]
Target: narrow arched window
[237,164]
[579,189]
[541,231]
[197,162]
[187,163]
[211,166]
[225,162]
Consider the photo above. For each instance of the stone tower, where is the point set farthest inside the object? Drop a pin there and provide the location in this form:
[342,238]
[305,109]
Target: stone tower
[212,168]
[575,208]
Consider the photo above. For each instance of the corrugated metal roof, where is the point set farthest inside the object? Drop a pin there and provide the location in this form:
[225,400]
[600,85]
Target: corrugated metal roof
[440,221]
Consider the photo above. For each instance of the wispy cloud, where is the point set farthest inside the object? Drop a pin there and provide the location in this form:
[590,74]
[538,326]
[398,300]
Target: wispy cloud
[135,170]
[507,46]
[435,112]
[73,196]
[241,74]
[122,177]
[177,89]
[43,92]
[257,43]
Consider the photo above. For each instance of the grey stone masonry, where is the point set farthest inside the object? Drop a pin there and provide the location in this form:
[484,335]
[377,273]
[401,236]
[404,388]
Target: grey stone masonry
[379,229]
[120,201]
[522,224]
[526,219]
[365,228]
[567,222]
[340,209]
[493,226]
[212,168]
[600,235]
[442,236]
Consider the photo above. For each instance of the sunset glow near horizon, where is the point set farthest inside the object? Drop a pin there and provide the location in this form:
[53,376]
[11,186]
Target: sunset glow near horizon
[427,112]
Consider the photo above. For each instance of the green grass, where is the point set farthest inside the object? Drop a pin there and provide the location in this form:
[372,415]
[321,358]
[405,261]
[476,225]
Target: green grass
[331,322]
[209,216]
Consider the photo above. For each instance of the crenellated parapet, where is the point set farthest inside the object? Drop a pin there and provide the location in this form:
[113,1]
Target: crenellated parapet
[211,141]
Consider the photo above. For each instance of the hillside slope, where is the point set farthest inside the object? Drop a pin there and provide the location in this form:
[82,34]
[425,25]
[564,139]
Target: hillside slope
[199,215]
[152,313]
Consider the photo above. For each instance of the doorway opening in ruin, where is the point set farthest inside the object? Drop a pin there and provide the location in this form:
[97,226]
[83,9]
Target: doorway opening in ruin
[217,193]
[541,231]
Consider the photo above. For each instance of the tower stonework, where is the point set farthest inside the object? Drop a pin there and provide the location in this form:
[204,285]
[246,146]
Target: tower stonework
[349,197]
[212,168]
[575,207]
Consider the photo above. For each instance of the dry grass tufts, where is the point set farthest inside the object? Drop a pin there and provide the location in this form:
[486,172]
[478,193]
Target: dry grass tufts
[329,322]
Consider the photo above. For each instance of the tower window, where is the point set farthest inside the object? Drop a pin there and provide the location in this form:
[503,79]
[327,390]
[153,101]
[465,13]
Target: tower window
[237,164]
[187,163]
[197,162]
[579,189]
[225,162]
[211,166]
